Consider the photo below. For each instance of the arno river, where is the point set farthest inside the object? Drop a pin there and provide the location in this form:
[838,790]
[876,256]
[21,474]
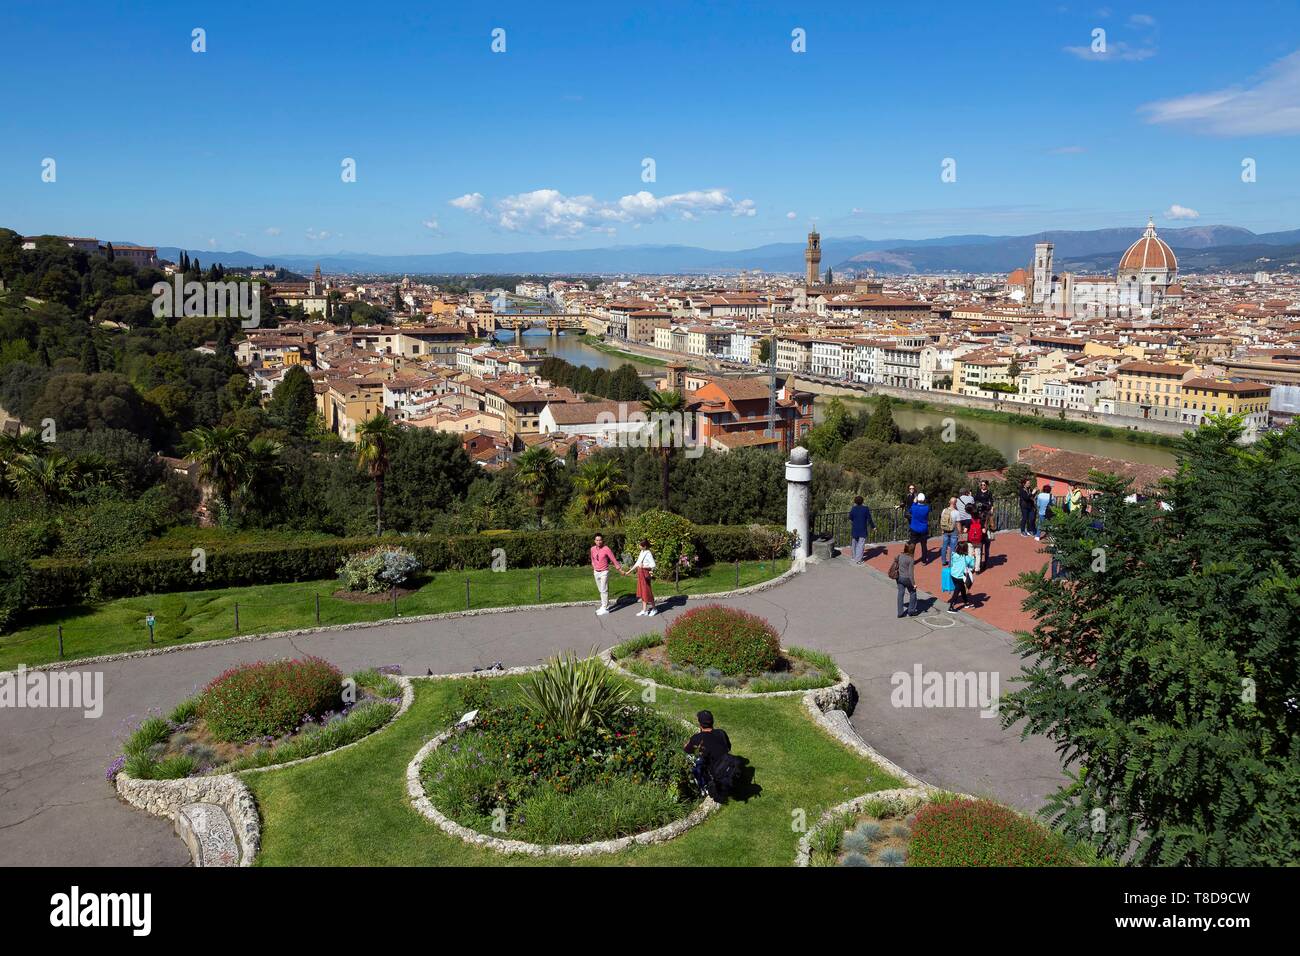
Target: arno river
[1006,438]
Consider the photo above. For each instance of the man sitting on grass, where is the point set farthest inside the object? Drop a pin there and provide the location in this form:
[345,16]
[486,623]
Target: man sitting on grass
[715,768]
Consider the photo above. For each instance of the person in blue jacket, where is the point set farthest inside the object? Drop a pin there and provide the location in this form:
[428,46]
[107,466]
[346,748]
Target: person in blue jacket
[919,525]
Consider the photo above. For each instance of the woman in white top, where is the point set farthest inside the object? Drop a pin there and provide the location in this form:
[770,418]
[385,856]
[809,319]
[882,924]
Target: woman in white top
[644,567]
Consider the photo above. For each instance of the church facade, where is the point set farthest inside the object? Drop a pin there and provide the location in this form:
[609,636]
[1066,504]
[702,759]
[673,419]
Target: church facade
[1144,283]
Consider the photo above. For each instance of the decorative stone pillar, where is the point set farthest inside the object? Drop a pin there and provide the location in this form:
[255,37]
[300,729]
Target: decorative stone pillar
[798,484]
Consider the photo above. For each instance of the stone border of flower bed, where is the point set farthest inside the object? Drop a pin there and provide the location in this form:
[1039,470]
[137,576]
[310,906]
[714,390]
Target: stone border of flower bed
[172,799]
[424,806]
[906,800]
[384,622]
[607,656]
[839,700]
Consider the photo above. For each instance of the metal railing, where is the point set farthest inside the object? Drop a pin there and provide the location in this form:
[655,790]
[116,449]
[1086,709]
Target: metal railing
[894,524]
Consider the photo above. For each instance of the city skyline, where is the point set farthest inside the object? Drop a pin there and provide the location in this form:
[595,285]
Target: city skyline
[543,146]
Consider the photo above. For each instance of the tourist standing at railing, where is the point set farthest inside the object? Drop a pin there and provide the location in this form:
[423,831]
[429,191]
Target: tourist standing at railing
[860,525]
[908,500]
[984,502]
[1026,495]
[1043,501]
[948,528]
[919,526]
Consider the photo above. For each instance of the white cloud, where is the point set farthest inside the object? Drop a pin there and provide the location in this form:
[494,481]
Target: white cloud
[792,215]
[431,224]
[1269,104]
[1142,27]
[212,242]
[470,202]
[313,235]
[1181,212]
[551,212]
[1118,50]
[272,230]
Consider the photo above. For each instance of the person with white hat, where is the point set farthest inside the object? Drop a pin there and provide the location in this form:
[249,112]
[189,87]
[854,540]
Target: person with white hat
[919,525]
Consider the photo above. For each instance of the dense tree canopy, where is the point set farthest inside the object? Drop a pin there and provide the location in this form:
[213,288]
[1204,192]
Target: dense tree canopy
[1165,664]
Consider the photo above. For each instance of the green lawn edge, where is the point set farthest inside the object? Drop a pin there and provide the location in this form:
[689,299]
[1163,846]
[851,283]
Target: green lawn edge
[351,809]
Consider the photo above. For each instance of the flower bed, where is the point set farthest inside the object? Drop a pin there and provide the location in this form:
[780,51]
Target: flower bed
[530,769]
[722,638]
[259,715]
[794,669]
[938,830]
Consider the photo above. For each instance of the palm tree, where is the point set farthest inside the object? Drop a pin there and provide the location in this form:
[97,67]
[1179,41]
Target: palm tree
[263,469]
[375,439]
[222,456]
[667,412]
[14,449]
[53,477]
[538,470]
[604,492]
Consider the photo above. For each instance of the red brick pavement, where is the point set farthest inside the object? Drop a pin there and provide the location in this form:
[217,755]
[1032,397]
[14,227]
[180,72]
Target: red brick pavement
[995,600]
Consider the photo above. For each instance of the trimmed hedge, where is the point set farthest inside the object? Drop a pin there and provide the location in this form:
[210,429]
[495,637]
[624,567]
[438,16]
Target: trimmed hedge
[55,582]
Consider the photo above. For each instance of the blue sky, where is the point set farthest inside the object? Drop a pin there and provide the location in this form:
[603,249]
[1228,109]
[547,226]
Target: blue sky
[458,148]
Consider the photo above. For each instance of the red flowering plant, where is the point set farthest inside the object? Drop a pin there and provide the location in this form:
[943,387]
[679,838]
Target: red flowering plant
[734,642]
[982,833]
[268,699]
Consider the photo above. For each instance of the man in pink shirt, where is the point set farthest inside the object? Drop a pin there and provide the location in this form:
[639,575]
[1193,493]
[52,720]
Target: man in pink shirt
[601,556]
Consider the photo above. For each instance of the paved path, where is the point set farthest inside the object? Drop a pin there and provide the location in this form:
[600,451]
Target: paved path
[996,600]
[57,808]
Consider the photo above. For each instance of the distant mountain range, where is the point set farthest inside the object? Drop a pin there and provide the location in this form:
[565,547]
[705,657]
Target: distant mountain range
[1199,248]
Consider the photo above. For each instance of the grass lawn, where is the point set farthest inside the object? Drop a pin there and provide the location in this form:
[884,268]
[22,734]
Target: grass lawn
[351,809]
[601,346]
[188,616]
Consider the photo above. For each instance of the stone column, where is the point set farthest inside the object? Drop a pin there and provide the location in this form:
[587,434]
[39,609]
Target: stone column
[798,484]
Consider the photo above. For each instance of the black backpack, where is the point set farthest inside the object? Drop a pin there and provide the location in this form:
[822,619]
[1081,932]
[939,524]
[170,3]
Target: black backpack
[722,776]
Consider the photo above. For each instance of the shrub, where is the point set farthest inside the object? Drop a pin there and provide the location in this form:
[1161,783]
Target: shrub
[14,597]
[573,695]
[982,833]
[510,755]
[735,642]
[672,541]
[60,582]
[269,699]
[377,569]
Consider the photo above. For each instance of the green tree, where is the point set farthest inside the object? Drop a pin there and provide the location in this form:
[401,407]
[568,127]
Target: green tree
[375,438]
[537,474]
[1165,663]
[666,411]
[765,350]
[881,427]
[89,358]
[602,490]
[293,403]
[222,457]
